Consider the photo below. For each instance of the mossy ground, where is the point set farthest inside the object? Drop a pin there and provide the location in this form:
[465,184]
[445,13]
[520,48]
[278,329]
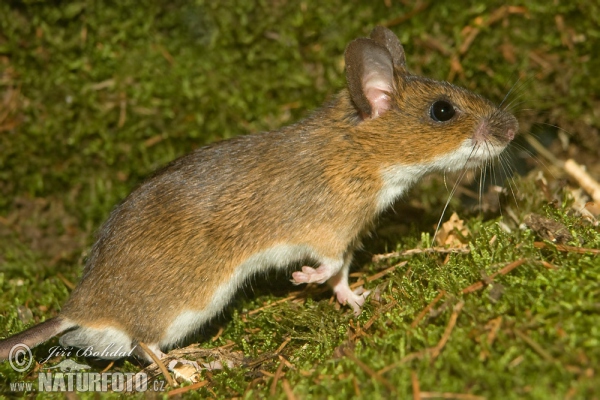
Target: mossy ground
[97,94]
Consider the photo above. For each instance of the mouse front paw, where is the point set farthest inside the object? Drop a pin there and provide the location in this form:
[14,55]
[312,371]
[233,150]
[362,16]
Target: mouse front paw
[310,275]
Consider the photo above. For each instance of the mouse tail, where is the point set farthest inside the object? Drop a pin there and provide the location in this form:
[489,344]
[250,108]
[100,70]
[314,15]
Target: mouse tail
[35,335]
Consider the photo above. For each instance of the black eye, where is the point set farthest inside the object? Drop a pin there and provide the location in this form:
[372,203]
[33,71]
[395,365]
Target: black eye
[442,111]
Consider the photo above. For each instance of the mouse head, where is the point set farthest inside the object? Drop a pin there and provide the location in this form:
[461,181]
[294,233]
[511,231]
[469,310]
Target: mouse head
[430,120]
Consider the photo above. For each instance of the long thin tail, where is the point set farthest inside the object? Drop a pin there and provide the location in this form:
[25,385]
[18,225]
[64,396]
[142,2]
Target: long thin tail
[34,335]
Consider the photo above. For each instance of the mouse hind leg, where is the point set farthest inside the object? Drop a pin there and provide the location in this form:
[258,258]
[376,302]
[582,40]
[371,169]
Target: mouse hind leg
[107,343]
[344,294]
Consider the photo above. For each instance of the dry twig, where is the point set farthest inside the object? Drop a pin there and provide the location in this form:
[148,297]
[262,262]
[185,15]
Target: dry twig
[378,275]
[278,375]
[481,284]
[288,389]
[108,367]
[273,304]
[535,346]
[380,311]
[159,363]
[433,351]
[585,180]
[282,346]
[440,250]
[70,285]
[494,326]
[369,371]
[565,248]
[426,309]
[415,385]
[446,395]
[405,17]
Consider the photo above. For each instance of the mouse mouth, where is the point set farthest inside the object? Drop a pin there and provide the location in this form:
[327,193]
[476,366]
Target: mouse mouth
[483,152]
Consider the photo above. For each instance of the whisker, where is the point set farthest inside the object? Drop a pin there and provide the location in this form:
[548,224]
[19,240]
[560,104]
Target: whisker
[504,168]
[445,182]
[481,174]
[518,87]
[537,146]
[460,178]
[508,93]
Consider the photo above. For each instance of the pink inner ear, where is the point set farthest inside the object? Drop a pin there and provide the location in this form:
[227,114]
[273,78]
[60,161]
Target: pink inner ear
[377,91]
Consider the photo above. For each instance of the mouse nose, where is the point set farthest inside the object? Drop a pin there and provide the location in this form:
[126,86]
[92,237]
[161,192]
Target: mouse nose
[510,134]
[509,126]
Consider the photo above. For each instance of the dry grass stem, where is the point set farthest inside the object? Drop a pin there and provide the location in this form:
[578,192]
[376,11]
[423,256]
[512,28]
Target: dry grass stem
[585,180]
[565,248]
[535,346]
[218,335]
[481,284]
[287,388]
[159,363]
[426,309]
[64,280]
[380,311]
[370,371]
[420,6]
[433,351]
[108,367]
[273,304]
[378,275]
[447,332]
[282,346]
[415,385]
[445,395]
[278,375]
[411,252]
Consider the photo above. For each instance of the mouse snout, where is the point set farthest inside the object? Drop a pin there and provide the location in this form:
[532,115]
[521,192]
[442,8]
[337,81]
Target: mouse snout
[510,134]
[497,130]
[512,127]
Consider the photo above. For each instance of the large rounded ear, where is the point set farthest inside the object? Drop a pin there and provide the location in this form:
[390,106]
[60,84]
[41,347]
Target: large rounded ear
[389,40]
[370,76]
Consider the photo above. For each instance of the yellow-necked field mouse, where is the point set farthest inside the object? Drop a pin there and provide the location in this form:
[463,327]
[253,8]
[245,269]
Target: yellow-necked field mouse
[175,251]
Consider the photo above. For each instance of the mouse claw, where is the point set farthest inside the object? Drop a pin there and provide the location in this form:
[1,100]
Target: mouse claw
[361,291]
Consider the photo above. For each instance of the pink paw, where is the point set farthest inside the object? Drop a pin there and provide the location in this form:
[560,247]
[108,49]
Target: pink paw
[354,299]
[309,275]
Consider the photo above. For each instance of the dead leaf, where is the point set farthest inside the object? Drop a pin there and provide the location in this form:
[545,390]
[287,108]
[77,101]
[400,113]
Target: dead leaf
[185,372]
[593,208]
[453,232]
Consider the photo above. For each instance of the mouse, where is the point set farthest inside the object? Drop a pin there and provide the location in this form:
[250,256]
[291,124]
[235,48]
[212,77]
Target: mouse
[173,253]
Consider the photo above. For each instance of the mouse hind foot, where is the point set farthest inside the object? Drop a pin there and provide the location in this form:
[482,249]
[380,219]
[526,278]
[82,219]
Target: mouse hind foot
[107,343]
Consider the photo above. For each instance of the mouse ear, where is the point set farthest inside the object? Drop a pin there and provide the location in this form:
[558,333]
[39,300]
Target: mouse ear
[389,40]
[370,76]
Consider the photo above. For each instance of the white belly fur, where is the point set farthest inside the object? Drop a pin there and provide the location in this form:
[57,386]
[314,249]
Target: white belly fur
[279,256]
